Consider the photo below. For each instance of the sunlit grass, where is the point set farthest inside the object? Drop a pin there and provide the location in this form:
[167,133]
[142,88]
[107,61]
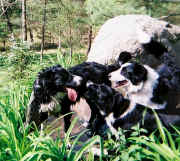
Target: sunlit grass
[161,145]
[17,144]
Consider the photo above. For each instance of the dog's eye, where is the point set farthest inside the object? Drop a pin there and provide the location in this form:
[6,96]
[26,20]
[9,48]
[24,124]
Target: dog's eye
[123,71]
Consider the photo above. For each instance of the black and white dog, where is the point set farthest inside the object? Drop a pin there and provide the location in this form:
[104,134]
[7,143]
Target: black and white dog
[108,104]
[56,89]
[145,85]
[49,95]
[118,111]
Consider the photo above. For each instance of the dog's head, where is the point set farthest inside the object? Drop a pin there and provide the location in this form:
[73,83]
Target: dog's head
[100,95]
[86,71]
[130,76]
[49,82]
[106,99]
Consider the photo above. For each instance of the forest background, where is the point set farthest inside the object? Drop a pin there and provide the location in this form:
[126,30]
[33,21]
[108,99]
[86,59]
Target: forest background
[71,24]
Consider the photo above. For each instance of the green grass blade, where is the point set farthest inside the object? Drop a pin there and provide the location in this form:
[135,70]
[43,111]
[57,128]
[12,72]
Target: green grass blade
[87,146]
[70,129]
[170,139]
[177,131]
[70,153]
[160,127]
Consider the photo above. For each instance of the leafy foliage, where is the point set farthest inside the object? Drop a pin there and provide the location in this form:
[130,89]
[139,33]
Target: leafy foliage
[101,10]
[161,145]
[17,144]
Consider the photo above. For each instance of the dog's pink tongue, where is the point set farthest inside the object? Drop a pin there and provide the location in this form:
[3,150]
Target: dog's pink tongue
[72,95]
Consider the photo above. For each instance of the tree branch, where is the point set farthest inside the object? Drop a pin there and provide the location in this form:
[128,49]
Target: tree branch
[170,15]
[5,5]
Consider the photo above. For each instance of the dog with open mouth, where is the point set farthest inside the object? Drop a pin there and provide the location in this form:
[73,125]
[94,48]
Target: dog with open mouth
[141,84]
[96,73]
[49,95]
[147,86]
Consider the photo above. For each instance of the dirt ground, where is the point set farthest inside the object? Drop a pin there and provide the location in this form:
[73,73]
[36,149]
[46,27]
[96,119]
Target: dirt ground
[82,111]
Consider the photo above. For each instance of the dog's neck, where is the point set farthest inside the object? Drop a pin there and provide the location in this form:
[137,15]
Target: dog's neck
[143,93]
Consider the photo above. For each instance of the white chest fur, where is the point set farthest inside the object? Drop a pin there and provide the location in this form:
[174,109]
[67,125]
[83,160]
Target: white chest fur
[143,96]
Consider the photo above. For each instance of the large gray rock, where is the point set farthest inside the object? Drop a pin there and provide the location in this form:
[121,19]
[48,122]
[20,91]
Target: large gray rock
[127,33]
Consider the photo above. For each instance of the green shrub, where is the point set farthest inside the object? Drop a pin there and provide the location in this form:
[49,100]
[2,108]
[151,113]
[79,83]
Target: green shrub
[161,145]
[18,59]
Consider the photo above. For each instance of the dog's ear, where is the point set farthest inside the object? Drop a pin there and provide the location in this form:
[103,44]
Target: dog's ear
[124,57]
[140,73]
[136,73]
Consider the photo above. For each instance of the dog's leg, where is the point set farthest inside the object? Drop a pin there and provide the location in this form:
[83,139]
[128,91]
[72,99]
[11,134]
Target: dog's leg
[97,126]
[65,109]
[110,121]
[92,123]
[33,113]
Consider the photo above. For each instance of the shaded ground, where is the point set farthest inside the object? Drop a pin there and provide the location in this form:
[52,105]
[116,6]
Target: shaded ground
[82,111]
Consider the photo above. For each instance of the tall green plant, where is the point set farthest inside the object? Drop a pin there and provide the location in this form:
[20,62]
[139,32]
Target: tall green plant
[19,58]
[162,146]
[17,144]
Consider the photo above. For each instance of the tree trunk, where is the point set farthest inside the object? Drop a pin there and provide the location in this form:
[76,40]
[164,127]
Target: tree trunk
[4,44]
[24,23]
[31,35]
[89,39]
[43,30]
[59,39]
[59,43]
[29,26]
[70,38]
[70,43]
[9,24]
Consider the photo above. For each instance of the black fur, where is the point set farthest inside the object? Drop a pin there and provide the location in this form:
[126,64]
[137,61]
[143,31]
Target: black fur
[93,71]
[106,99]
[53,80]
[168,73]
[124,57]
[49,82]
[166,116]
[103,101]
[110,101]
[134,72]
[168,70]
[155,48]
[90,71]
